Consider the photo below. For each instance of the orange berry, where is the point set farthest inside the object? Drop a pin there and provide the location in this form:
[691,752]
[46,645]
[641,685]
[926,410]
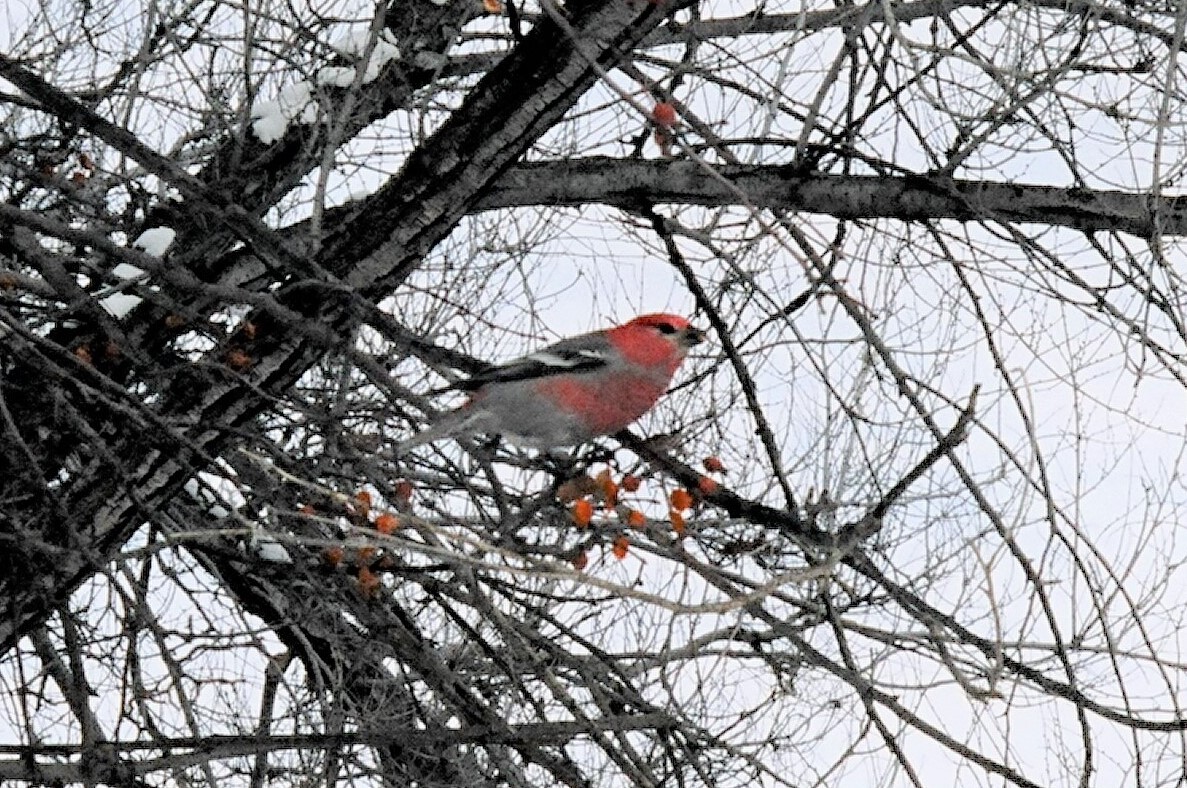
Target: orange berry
[333,555]
[368,582]
[608,489]
[238,360]
[492,6]
[386,523]
[365,554]
[582,513]
[362,501]
[680,499]
[580,561]
[677,522]
[631,483]
[636,519]
[713,465]
[404,491]
[707,486]
[664,115]
[621,544]
[83,353]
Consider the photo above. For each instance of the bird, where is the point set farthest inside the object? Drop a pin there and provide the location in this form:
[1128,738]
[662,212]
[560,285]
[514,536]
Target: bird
[577,389]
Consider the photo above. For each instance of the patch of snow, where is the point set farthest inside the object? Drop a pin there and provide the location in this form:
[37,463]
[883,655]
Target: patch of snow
[308,115]
[294,98]
[335,76]
[154,241]
[272,117]
[353,43]
[269,123]
[385,51]
[271,550]
[126,271]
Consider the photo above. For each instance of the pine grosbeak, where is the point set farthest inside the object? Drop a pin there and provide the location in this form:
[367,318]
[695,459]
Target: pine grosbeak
[580,388]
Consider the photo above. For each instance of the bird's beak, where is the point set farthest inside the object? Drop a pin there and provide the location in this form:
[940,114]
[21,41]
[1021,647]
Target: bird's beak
[692,336]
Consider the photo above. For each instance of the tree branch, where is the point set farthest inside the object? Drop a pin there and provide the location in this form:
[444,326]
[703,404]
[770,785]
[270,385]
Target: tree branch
[208,748]
[623,183]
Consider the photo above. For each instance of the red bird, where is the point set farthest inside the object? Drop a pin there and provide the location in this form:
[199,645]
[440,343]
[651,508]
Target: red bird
[577,389]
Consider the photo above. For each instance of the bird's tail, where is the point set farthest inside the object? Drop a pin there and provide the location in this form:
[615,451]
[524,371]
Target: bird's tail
[456,422]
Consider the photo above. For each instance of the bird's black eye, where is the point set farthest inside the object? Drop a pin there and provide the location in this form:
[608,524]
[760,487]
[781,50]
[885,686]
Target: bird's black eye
[666,328]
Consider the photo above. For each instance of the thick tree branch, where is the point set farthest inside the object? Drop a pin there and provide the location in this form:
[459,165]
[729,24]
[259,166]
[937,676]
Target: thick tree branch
[873,13]
[624,183]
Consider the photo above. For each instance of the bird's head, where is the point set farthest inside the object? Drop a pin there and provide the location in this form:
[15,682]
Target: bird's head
[659,340]
[673,328]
